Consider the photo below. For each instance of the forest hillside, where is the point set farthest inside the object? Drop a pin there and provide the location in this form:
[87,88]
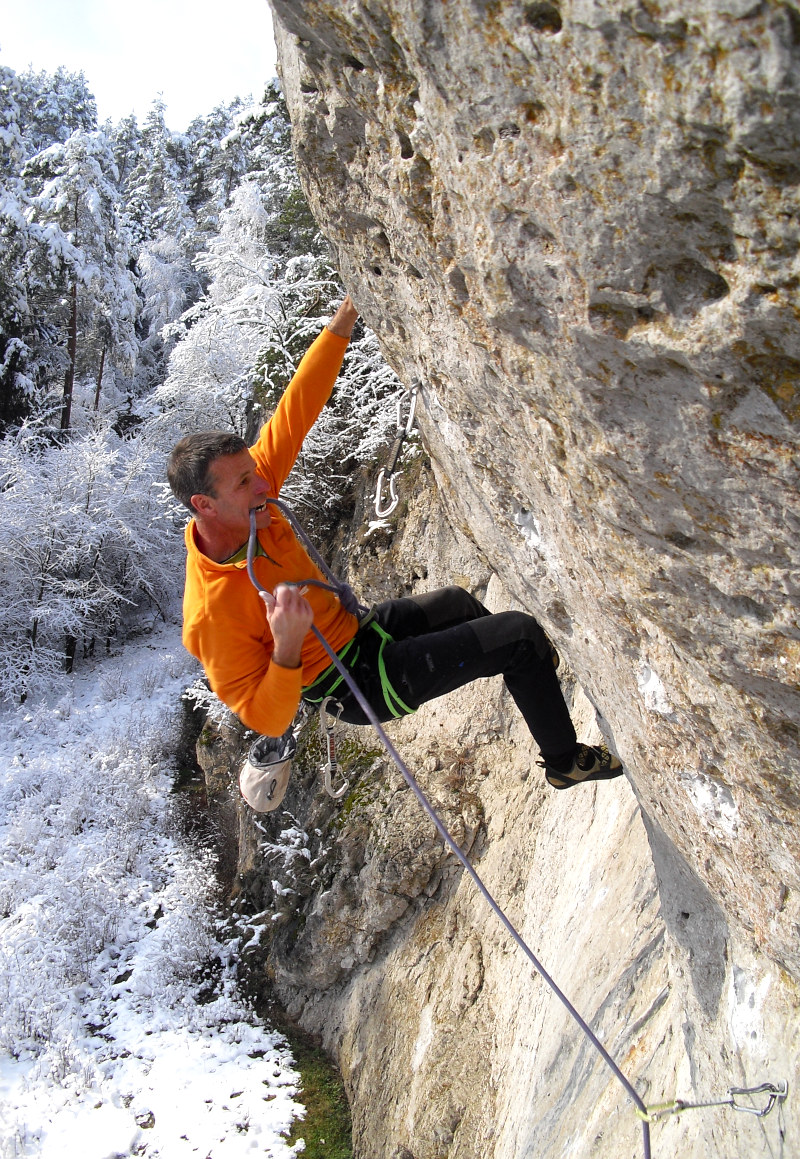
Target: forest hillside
[151,283]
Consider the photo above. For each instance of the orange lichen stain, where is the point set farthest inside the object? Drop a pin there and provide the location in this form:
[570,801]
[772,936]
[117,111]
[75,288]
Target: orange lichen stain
[532,111]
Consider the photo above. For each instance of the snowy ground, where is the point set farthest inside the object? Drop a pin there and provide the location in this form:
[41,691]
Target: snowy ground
[112,1043]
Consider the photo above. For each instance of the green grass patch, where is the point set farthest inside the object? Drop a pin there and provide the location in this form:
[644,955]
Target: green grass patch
[327,1127]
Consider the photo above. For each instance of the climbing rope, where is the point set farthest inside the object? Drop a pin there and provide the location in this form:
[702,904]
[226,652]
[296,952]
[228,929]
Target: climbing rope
[775,1094]
[387,473]
[449,841]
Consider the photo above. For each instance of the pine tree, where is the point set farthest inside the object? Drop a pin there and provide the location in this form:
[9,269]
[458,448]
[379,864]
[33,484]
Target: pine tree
[155,195]
[218,161]
[95,302]
[53,106]
[126,145]
[164,244]
[14,385]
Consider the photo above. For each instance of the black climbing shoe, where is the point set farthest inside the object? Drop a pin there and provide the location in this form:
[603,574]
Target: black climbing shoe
[591,763]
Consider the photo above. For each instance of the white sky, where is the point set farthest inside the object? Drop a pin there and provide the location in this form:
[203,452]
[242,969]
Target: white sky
[196,53]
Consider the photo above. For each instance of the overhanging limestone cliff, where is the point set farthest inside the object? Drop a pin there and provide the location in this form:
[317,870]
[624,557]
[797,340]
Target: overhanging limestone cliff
[577,224]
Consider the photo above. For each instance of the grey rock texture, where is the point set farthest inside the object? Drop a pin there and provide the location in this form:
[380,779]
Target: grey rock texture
[577,224]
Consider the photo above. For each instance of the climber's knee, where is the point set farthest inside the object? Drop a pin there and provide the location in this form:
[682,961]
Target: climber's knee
[504,629]
[448,606]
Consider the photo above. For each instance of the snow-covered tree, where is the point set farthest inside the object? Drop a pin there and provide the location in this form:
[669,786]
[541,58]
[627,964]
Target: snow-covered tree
[219,159]
[126,145]
[13,245]
[77,202]
[244,341]
[82,544]
[53,107]
[155,192]
[163,232]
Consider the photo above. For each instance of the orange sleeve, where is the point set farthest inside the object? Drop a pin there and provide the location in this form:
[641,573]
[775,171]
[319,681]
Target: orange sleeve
[225,627]
[282,436]
[263,694]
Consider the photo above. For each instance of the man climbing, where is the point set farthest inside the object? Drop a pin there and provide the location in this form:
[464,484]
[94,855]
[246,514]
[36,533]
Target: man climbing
[257,648]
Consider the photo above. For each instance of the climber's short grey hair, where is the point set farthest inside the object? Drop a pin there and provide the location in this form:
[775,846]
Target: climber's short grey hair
[191,459]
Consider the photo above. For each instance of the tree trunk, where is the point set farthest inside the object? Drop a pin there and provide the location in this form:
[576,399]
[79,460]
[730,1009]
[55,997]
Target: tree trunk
[70,644]
[99,380]
[72,346]
[72,349]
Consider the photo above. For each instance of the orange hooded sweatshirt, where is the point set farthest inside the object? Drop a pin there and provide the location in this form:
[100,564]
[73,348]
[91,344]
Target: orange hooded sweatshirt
[224,619]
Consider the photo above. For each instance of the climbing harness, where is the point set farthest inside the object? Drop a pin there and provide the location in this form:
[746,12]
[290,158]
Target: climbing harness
[330,680]
[327,724]
[645,1115]
[387,473]
[774,1094]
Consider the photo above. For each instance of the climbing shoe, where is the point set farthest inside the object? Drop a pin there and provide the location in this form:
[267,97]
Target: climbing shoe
[590,763]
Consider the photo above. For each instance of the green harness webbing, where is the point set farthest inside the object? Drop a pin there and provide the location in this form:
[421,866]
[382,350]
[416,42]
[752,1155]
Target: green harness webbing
[389,694]
[396,706]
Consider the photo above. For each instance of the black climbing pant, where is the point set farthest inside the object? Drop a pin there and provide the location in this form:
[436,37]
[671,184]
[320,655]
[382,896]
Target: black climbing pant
[445,639]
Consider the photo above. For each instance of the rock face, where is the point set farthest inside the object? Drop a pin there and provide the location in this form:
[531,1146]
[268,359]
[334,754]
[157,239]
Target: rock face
[577,224]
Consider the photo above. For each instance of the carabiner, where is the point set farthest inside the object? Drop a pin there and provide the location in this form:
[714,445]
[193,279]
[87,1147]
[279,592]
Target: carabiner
[411,394]
[380,510]
[327,723]
[775,1094]
[390,470]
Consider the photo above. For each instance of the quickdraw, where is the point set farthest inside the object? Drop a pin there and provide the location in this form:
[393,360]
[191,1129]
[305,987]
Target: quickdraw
[775,1093]
[327,724]
[388,472]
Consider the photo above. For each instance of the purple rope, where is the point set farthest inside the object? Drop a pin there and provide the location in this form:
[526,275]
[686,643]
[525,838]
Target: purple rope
[449,841]
[347,597]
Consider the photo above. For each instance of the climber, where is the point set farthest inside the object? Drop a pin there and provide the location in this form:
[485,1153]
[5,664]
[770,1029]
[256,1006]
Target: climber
[261,657]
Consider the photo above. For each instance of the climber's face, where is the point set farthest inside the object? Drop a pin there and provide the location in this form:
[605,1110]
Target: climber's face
[236,489]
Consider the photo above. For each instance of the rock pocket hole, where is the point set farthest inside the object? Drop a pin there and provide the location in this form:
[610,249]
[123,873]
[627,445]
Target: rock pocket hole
[406,148]
[544,18]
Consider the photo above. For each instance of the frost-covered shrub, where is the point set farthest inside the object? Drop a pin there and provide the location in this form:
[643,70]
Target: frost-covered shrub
[85,539]
[118,1001]
[87,870]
